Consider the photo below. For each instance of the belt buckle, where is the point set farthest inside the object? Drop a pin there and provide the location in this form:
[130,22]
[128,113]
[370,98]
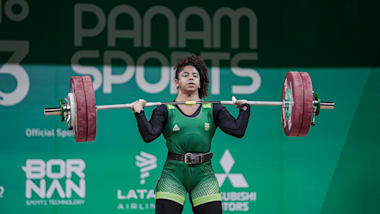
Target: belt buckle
[191,158]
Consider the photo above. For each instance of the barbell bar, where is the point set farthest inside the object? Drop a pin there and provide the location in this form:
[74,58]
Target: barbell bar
[57,110]
[299,106]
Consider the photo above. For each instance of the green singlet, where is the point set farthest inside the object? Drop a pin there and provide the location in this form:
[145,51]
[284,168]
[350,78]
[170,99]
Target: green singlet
[188,134]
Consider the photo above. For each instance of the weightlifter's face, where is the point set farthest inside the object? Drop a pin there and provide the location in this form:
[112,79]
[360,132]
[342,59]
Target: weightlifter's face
[188,79]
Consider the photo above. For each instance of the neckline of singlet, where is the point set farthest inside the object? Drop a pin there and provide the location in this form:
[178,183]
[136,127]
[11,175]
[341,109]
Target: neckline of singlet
[196,113]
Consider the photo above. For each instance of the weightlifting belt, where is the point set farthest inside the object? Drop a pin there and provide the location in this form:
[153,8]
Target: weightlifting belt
[190,158]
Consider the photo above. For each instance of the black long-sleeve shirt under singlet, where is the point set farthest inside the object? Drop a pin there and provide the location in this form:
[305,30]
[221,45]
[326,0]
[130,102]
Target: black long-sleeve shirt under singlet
[153,128]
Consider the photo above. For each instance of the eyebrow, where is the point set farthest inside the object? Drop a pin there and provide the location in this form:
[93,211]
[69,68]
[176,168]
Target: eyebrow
[188,72]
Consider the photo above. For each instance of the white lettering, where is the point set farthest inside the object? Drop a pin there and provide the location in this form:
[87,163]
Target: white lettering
[79,190]
[55,169]
[245,72]
[132,194]
[79,31]
[151,194]
[140,72]
[141,192]
[156,10]
[11,14]
[75,165]
[64,133]
[234,17]
[20,49]
[1,191]
[114,33]
[89,70]
[49,168]
[166,75]
[184,34]
[235,206]
[39,190]
[55,185]
[215,70]
[34,169]
[110,79]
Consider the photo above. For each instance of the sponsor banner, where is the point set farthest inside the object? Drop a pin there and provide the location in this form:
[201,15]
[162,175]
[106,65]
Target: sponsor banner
[129,49]
[142,197]
[54,182]
[240,198]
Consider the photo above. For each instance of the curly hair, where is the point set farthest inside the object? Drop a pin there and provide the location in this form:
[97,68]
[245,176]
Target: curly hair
[201,67]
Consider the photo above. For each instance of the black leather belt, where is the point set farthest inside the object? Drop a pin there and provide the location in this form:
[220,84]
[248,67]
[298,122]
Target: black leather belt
[190,158]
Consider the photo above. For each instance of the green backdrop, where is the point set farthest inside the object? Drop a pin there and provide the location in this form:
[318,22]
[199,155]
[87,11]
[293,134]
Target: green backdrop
[129,48]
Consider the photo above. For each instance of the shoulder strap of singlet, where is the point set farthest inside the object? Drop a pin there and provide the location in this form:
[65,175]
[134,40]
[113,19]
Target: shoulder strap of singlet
[170,106]
[206,105]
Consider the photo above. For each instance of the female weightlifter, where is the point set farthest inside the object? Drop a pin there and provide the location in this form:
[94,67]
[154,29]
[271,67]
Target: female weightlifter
[188,130]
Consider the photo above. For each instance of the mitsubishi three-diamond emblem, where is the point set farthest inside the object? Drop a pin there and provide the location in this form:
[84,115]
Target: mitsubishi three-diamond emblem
[227,162]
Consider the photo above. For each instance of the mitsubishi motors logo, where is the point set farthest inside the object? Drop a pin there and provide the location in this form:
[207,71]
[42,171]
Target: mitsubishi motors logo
[146,162]
[234,201]
[227,162]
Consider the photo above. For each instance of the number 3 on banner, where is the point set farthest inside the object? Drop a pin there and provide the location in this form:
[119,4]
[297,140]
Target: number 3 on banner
[20,49]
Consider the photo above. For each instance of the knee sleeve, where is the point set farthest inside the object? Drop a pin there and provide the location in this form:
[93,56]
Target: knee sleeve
[214,207]
[164,206]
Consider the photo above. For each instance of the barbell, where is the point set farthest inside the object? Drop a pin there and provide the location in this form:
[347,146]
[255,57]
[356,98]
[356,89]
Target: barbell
[299,106]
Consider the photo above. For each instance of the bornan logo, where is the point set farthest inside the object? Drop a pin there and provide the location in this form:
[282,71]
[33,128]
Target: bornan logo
[55,178]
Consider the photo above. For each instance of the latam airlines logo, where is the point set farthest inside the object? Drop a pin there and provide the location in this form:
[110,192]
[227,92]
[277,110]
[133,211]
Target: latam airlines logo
[145,162]
[139,199]
[227,162]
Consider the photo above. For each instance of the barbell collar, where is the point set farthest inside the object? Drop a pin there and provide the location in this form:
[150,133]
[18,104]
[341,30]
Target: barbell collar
[327,105]
[52,111]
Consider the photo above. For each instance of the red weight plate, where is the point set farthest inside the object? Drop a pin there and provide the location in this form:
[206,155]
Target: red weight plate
[80,130]
[291,113]
[91,108]
[307,104]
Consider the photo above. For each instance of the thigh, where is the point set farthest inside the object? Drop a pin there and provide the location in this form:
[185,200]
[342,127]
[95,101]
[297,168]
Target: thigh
[205,191]
[164,206]
[169,187]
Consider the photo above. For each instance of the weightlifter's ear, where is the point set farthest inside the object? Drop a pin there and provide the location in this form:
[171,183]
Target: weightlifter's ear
[176,83]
